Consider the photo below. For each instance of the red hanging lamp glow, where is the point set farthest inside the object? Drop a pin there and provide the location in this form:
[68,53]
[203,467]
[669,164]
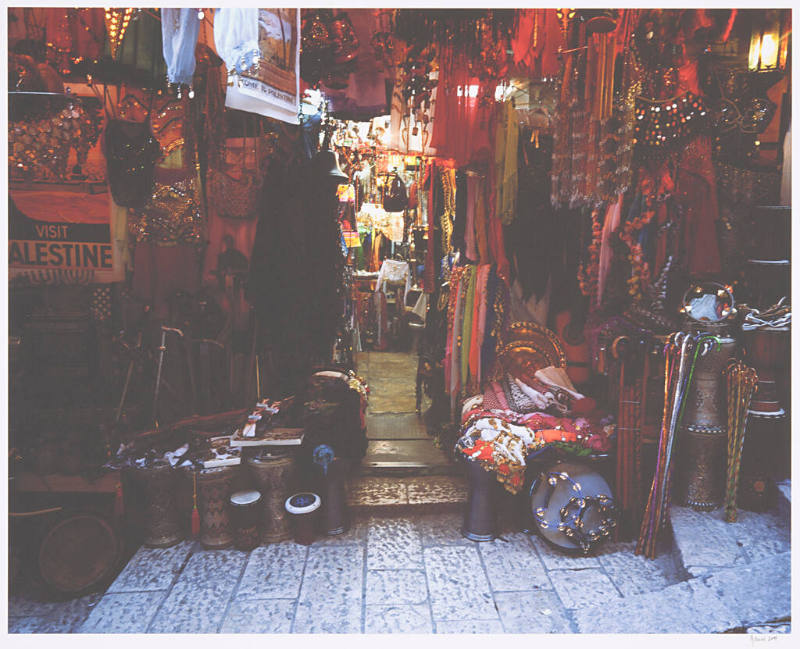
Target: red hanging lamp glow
[117,21]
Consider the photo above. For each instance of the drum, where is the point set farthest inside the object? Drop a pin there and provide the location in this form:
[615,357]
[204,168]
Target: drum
[701,463]
[768,352]
[157,486]
[573,507]
[214,488]
[78,553]
[245,514]
[273,474]
[303,509]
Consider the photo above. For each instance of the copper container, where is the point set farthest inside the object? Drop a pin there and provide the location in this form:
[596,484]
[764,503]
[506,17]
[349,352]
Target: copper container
[767,352]
[214,489]
[157,486]
[702,436]
[273,475]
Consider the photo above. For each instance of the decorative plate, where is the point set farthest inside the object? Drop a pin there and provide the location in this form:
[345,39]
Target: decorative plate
[531,347]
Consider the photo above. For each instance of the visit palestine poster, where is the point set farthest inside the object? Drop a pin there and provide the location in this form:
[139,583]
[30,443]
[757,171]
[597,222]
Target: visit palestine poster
[59,238]
[271,88]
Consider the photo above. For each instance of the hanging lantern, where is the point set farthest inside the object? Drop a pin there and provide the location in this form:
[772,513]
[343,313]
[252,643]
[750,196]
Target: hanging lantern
[117,21]
[768,43]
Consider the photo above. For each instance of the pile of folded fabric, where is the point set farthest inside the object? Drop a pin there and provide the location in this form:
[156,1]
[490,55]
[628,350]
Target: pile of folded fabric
[518,416]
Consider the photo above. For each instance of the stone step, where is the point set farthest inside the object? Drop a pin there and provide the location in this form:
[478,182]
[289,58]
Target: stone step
[730,599]
[373,495]
[704,542]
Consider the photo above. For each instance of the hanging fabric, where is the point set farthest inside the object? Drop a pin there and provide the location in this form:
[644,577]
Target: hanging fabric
[179,32]
[236,37]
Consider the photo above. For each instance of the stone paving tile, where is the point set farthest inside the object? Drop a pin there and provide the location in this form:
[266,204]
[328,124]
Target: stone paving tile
[213,565]
[396,587]
[682,608]
[437,490]
[197,601]
[194,607]
[441,529]
[761,535]
[393,544]
[634,574]
[555,560]
[262,616]
[703,539]
[402,426]
[26,615]
[532,612]
[458,586]
[152,568]
[331,595]
[123,612]
[273,572]
[377,491]
[512,564]
[756,593]
[357,533]
[404,618]
[578,588]
[469,626]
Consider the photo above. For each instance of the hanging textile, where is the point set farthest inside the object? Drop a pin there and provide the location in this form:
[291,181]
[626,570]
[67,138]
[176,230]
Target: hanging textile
[506,142]
[263,78]
[236,37]
[461,125]
[179,31]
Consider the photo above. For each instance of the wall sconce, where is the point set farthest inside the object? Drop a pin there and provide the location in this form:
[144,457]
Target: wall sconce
[768,44]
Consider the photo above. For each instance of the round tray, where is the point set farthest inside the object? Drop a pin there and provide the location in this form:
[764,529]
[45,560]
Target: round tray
[531,347]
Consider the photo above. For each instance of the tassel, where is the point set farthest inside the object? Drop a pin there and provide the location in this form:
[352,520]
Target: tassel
[195,513]
[119,503]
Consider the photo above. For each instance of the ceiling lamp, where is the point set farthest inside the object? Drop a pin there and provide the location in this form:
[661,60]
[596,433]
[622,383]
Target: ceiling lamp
[116,25]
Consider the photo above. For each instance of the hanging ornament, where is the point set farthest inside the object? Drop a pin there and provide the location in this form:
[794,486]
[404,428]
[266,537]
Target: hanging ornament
[662,125]
[117,21]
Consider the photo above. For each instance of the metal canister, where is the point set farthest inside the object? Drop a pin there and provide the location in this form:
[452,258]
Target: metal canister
[334,499]
[702,436]
[157,486]
[273,475]
[214,488]
[480,517]
[245,513]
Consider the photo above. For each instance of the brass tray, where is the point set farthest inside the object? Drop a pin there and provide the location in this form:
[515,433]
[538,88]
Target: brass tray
[539,342]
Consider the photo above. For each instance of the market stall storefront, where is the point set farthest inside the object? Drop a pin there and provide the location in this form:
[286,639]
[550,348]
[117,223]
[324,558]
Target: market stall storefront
[275,270]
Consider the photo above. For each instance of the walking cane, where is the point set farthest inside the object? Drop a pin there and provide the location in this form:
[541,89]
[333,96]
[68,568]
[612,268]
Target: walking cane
[161,349]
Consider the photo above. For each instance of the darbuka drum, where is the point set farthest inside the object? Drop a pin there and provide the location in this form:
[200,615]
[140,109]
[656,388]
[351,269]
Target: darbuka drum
[214,488]
[768,352]
[273,475]
[245,514]
[157,486]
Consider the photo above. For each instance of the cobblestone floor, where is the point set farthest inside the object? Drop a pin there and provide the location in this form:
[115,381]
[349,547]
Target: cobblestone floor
[413,574]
